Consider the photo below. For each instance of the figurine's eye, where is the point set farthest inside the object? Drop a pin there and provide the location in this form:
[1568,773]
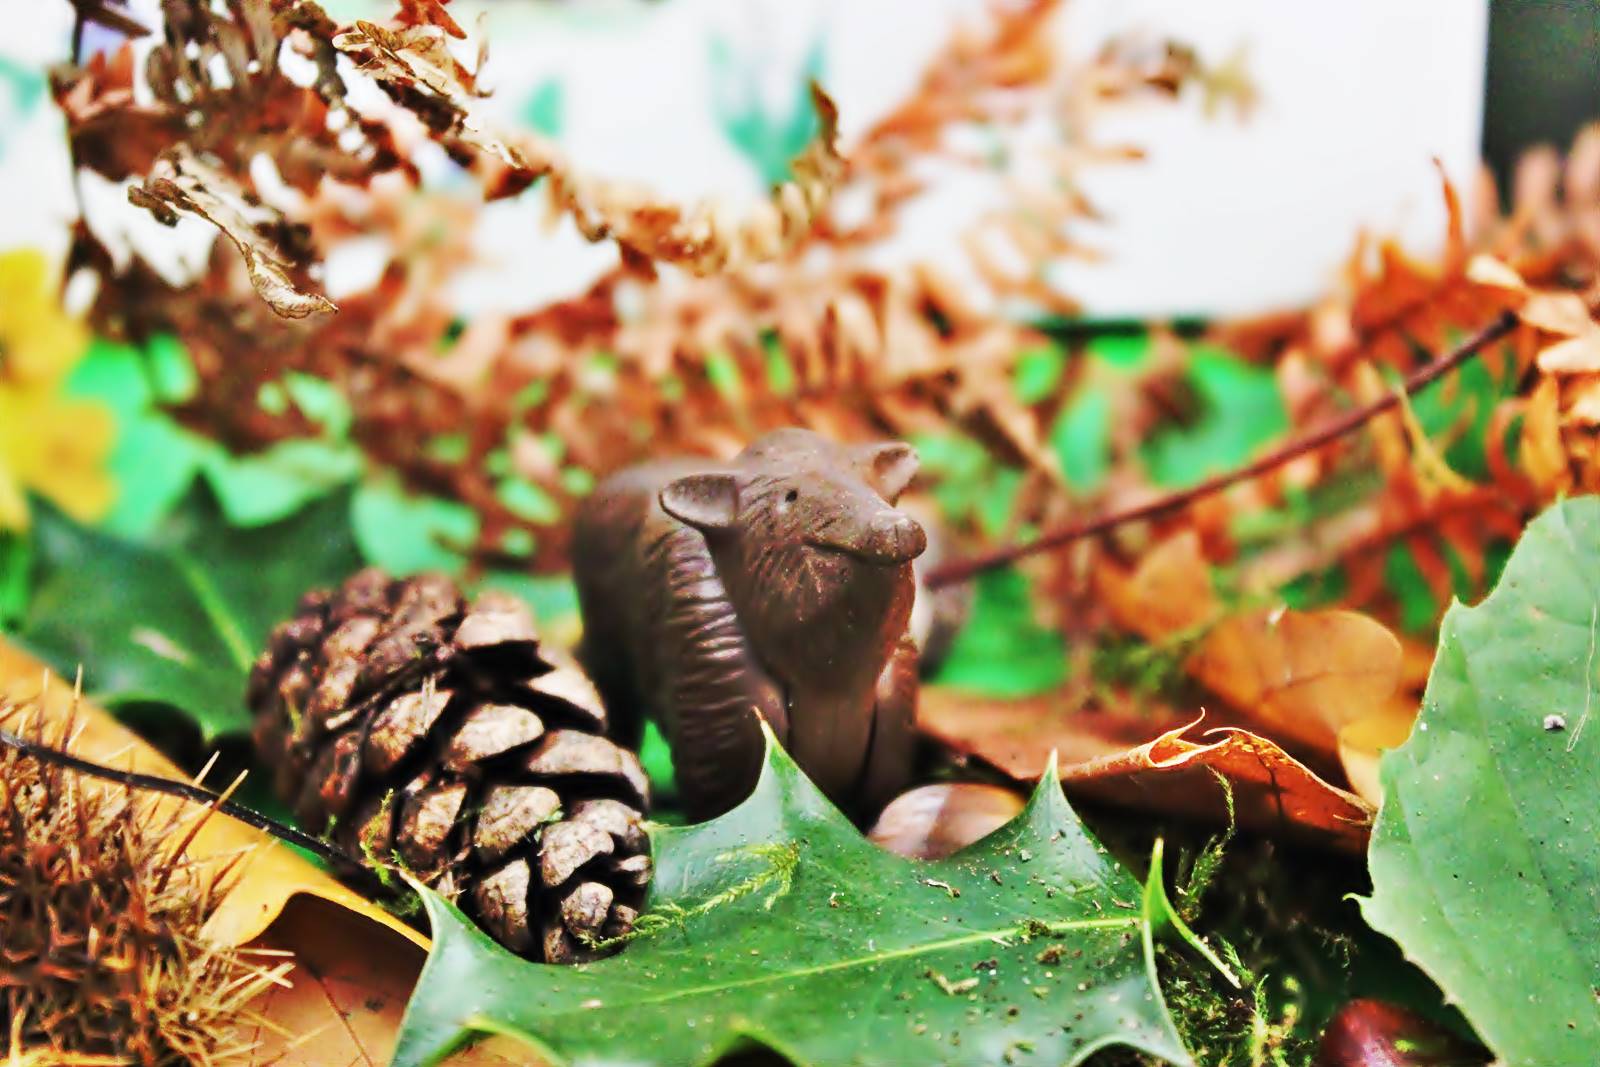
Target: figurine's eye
[791,496]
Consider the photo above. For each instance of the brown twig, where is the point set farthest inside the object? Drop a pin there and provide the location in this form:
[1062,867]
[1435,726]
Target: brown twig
[185,791]
[960,570]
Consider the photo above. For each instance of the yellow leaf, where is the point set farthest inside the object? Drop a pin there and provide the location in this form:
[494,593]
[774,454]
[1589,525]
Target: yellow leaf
[1434,473]
[1363,742]
[49,444]
[13,505]
[39,343]
[58,448]
[1541,454]
[1388,432]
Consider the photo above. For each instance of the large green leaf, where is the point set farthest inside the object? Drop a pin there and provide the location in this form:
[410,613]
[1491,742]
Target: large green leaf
[779,924]
[1486,856]
[178,619]
[156,460]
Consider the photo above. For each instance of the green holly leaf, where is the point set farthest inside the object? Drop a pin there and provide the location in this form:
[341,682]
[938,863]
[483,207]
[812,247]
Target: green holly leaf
[1486,855]
[779,924]
[178,618]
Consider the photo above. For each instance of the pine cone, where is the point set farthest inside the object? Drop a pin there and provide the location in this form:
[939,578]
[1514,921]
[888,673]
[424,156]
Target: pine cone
[405,723]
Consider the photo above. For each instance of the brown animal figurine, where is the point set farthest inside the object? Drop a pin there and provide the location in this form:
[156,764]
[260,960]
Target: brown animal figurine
[779,583]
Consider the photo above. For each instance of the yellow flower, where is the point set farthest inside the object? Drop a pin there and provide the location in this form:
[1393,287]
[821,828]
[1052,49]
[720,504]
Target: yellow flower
[49,444]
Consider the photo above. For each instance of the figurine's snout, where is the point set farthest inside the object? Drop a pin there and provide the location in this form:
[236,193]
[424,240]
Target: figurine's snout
[894,537]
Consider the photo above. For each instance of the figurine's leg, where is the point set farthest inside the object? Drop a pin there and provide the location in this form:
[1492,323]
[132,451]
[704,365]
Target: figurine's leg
[713,689]
[894,731]
[605,571]
[604,655]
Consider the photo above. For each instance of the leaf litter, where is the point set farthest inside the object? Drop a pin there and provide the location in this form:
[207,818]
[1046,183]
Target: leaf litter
[1439,486]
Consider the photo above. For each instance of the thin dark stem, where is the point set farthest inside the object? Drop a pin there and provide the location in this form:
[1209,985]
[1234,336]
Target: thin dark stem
[960,570]
[153,783]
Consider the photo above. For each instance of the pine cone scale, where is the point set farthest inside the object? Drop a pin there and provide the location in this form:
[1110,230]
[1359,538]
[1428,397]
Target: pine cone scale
[510,815]
[489,731]
[402,726]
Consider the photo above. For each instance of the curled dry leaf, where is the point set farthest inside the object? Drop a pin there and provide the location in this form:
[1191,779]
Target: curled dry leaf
[1170,775]
[931,822]
[414,65]
[1008,732]
[270,876]
[182,181]
[1272,791]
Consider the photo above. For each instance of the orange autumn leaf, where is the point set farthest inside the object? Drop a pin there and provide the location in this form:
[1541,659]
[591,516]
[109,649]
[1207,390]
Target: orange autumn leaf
[49,443]
[1542,455]
[1168,593]
[1303,674]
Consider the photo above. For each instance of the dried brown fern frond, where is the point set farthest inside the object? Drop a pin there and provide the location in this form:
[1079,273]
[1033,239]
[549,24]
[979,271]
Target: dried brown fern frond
[221,98]
[101,959]
[827,332]
[1509,432]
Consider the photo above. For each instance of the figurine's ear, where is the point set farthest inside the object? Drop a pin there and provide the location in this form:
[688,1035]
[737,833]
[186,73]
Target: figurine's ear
[888,468]
[708,502]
